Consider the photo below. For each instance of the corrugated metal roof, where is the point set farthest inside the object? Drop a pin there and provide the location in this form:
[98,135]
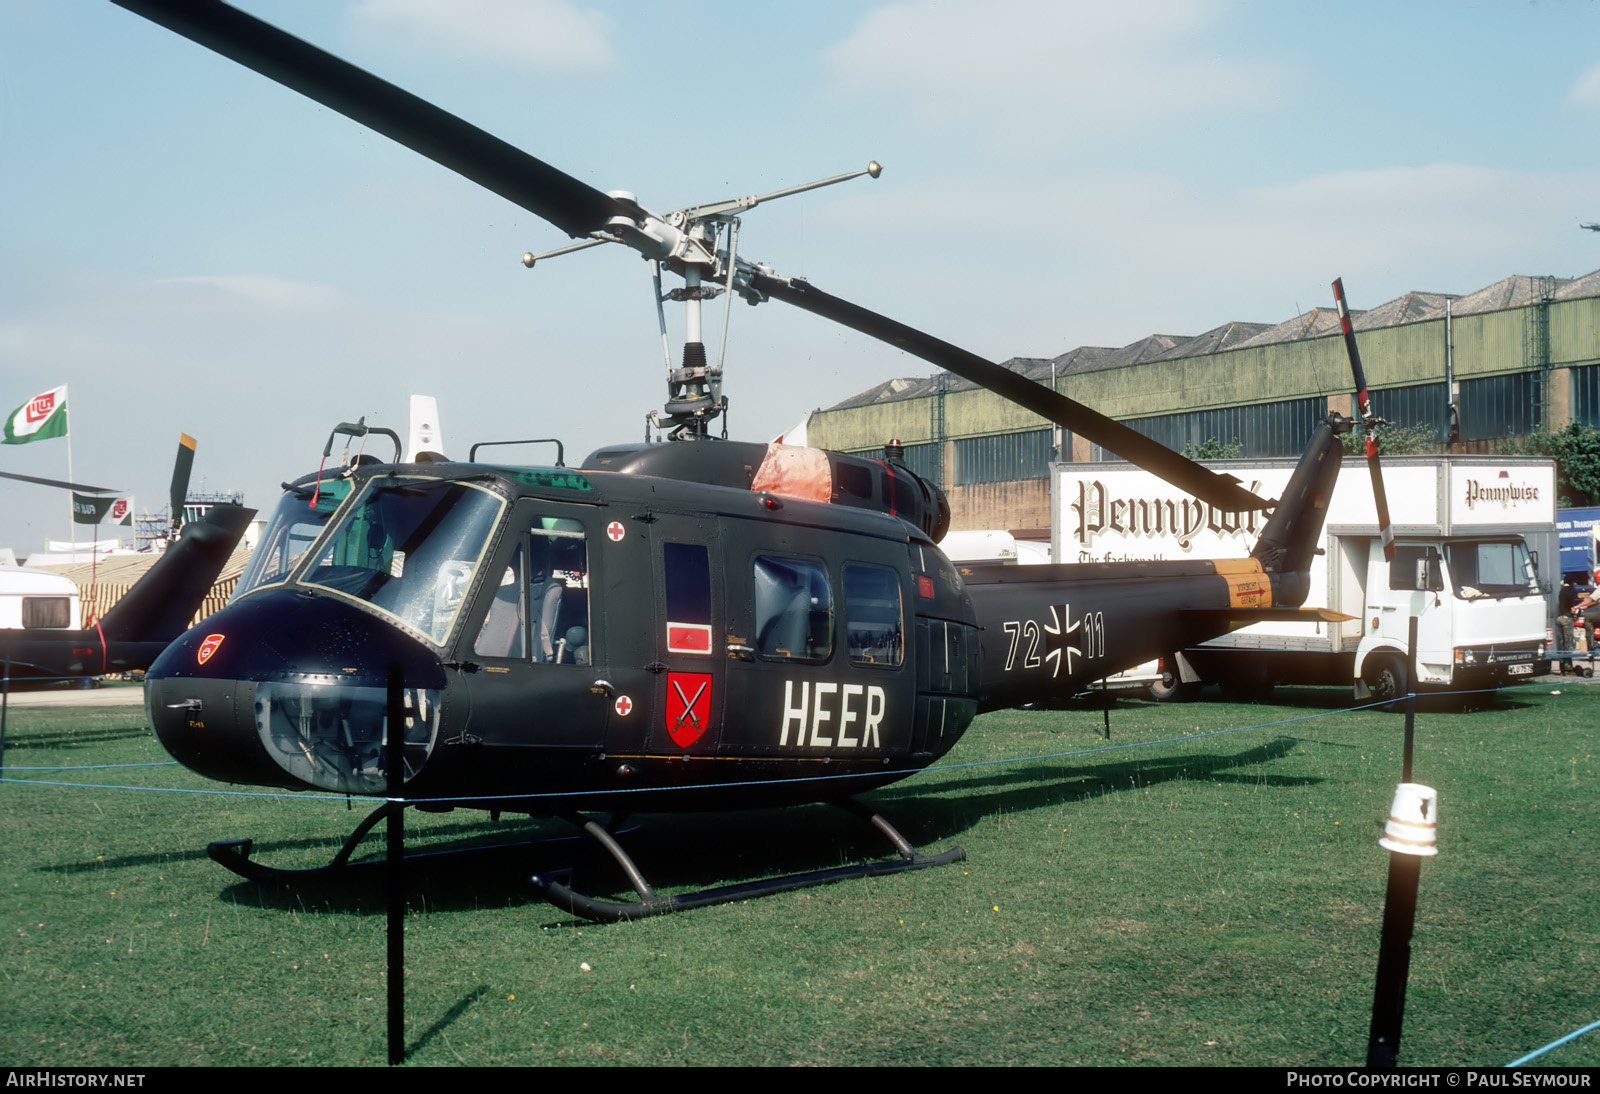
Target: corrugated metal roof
[885,392]
[1587,285]
[915,387]
[1413,307]
[1215,340]
[1508,292]
[1083,359]
[1312,324]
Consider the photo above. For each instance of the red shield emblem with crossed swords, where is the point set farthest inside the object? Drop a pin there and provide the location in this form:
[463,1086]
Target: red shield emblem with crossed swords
[208,647]
[688,706]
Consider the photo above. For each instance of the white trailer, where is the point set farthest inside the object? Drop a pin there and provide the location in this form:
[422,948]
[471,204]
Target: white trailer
[38,598]
[1471,533]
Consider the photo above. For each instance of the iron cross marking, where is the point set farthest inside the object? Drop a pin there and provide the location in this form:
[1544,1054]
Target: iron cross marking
[1060,627]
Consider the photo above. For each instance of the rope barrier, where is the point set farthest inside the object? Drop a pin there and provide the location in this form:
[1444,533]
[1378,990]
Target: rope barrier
[180,790]
[91,767]
[1536,1053]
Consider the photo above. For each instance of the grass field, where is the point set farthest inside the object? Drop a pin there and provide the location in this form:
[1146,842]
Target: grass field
[1209,901]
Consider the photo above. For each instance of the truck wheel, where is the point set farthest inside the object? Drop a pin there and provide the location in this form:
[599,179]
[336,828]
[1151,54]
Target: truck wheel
[1170,688]
[1386,677]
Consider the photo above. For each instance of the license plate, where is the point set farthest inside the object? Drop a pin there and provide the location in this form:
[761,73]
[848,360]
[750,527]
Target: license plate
[1520,670]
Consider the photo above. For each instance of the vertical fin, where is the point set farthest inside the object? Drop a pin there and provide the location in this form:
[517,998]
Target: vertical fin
[1294,530]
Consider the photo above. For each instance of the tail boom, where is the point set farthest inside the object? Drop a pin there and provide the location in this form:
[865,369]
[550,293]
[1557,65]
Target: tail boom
[1049,632]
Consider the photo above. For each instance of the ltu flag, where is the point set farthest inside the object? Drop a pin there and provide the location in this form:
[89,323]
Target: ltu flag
[40,417]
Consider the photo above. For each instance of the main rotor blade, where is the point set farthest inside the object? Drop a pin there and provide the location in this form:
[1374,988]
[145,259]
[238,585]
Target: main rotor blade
[1221,491]
[65,485]
[1369,420]
[573,206]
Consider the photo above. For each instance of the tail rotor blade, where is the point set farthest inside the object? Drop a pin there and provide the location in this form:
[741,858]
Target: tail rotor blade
[1369,420]
[181,469]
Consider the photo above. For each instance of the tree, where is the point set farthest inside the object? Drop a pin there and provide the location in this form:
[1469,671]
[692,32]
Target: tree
[1576,450]
[1213,449]
[1393,440]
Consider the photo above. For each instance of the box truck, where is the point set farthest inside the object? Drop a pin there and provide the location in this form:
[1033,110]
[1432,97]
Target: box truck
[1471,535]
[1578,529]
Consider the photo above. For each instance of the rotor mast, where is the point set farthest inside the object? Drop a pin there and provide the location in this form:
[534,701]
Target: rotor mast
[687,241]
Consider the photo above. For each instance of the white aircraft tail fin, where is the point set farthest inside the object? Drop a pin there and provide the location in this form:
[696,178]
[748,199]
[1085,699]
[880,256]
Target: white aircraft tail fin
[424,438]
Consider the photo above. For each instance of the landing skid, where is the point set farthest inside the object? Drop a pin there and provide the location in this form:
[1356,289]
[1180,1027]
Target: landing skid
[235,854]
[651,902]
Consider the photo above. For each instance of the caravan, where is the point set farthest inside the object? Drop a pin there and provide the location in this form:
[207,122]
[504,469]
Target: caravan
[38,599]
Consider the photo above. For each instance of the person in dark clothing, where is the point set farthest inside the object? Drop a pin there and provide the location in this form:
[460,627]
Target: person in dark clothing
[1566,636]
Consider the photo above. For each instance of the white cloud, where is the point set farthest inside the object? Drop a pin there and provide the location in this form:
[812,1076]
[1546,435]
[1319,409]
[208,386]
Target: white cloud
[550,35]
[1586,91]
[1067,66]
[272,295]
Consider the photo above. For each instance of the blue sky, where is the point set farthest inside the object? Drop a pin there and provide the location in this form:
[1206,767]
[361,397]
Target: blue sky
[194,248]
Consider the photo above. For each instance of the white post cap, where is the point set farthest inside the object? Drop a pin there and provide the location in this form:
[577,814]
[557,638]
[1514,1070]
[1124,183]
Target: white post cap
[1412,820]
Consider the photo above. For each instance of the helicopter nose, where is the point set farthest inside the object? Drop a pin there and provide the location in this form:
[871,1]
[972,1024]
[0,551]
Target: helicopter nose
[290,689]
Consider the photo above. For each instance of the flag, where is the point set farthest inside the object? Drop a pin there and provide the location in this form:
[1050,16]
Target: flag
[40,417]
[122,512]
[90,510]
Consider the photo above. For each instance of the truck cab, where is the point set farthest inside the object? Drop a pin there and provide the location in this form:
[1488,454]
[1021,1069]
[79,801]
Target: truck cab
[1471,596]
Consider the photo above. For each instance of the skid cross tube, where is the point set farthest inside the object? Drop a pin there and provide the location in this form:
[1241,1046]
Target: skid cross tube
[235,854]
[651,902]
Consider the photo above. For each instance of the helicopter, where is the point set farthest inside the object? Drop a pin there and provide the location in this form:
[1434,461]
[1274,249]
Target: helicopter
[686,624]
[154,611]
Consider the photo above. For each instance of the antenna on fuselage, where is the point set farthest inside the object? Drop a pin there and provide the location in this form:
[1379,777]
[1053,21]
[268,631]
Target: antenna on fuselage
[424,436]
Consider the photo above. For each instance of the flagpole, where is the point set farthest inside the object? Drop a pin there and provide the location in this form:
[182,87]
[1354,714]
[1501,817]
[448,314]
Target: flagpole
[94,566]
[72,516]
